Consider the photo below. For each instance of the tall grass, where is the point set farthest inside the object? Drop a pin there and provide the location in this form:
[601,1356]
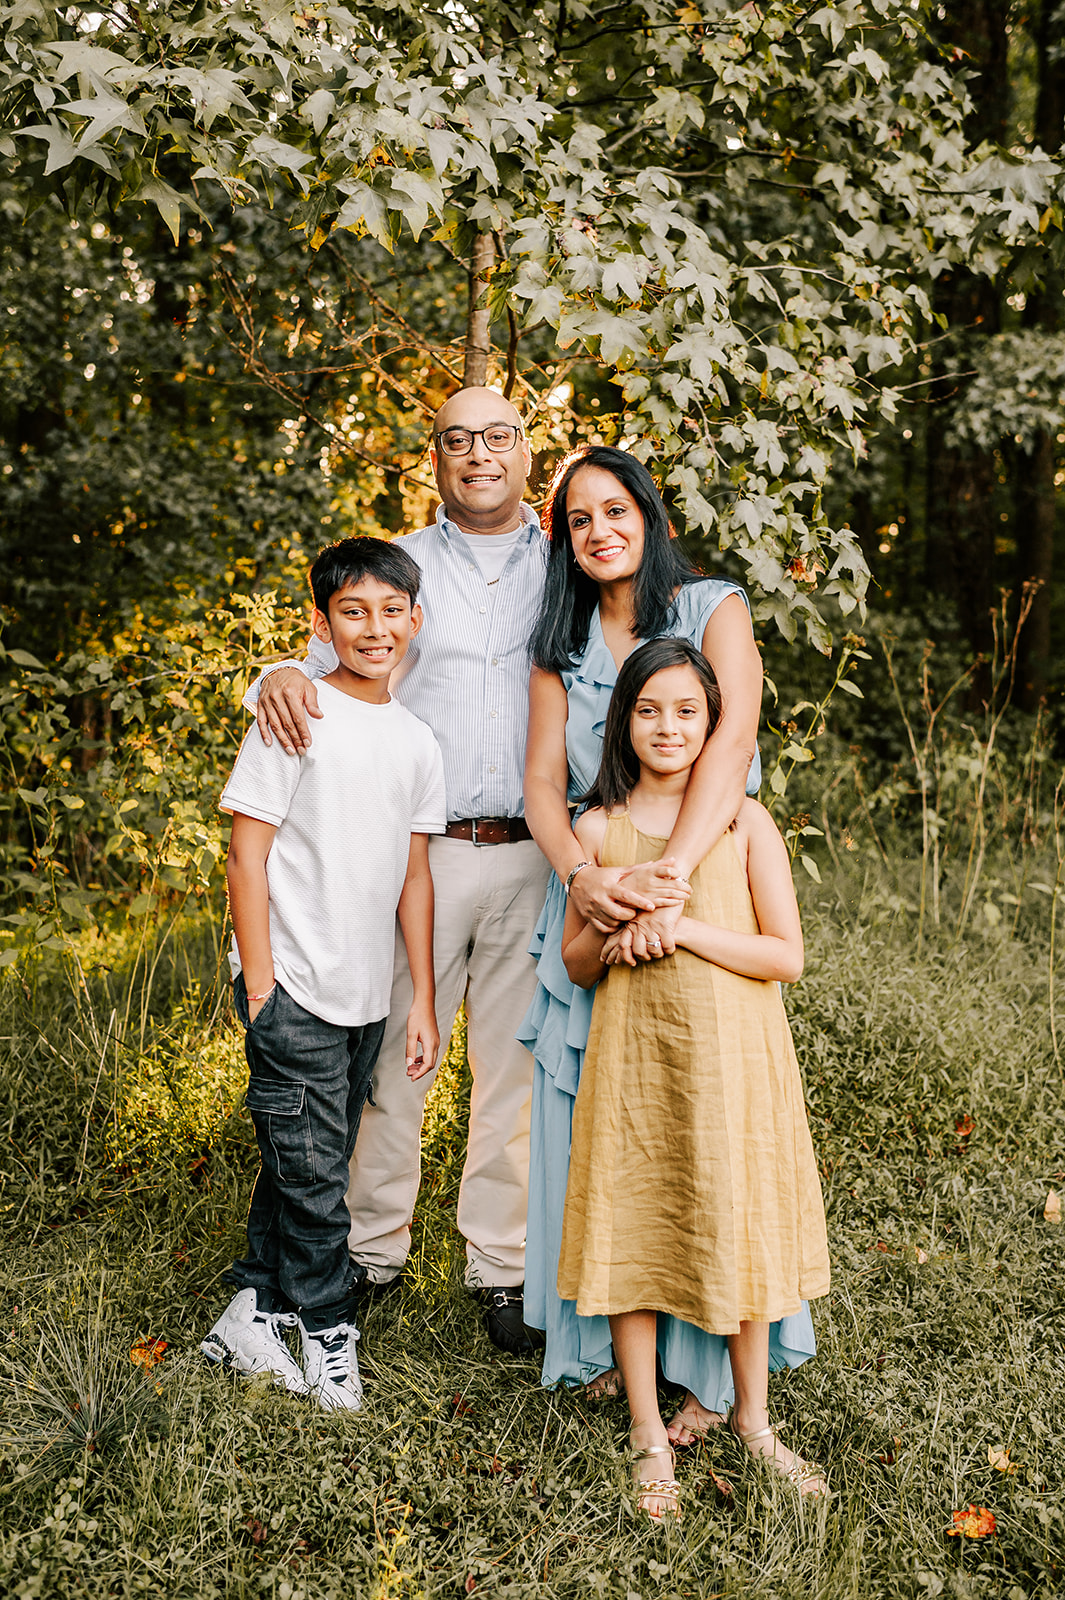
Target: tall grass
[927,1026]
[938,1119]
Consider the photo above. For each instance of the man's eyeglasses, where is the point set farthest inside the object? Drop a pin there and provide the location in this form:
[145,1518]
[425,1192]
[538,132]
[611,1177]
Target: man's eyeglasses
[499,438]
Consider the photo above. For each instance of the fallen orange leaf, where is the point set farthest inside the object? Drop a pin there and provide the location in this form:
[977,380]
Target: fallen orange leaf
[1000,1460]
[976,1523]
[147,1353]
[1052,1209]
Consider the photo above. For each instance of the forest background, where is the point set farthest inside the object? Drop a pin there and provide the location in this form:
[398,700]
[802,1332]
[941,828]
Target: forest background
[806,260]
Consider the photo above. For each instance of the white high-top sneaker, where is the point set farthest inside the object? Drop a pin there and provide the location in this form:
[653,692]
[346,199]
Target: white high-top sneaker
[331,1366]
[248,1341]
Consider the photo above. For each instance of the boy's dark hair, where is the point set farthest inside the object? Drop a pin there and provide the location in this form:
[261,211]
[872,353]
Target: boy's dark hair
[619,768]
[570,596]
[351,559]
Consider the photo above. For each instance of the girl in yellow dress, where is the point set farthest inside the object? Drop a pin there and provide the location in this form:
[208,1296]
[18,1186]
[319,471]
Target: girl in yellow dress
[693,1188]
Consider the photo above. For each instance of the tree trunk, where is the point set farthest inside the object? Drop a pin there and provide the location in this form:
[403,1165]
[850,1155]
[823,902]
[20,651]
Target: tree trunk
[478,335]
[960,527]
[1036,492]
[1035,563]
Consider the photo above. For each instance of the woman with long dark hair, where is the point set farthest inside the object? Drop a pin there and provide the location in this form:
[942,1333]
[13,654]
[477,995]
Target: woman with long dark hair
[616,578]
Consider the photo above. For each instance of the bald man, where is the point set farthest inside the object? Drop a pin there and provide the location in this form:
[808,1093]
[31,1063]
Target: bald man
[467,676]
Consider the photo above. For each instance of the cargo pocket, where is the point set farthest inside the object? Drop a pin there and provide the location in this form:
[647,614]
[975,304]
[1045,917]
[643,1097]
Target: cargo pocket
[279,1114]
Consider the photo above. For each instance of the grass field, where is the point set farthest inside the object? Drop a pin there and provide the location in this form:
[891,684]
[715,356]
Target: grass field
[936,1101]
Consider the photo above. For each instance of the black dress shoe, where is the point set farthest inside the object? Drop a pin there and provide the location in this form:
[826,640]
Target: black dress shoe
[367,1290]
[372,1293]
[504,1320]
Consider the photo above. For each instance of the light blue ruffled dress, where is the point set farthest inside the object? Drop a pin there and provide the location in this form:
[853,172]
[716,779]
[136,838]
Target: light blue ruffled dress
[555,1029]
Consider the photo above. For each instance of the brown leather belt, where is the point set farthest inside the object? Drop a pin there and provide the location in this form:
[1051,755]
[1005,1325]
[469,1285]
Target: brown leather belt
[489,830]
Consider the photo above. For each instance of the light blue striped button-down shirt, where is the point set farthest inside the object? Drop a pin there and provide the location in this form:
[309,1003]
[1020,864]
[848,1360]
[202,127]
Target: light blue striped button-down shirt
[467,671]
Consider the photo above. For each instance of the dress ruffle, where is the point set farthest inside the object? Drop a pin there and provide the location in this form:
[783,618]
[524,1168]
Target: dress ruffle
[555,1030]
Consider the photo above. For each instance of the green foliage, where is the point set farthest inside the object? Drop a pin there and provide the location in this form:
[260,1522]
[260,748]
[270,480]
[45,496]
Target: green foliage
[113,765]
[137,457]
[740,209]
[1018,390]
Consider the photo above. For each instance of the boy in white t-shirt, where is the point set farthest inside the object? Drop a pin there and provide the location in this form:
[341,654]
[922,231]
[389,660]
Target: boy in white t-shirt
[327,847]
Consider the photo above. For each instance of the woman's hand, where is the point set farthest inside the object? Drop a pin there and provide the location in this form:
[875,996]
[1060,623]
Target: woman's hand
[646,938]
[603,899]
[287,698]
[254,1007]
[608,897]
[659,881]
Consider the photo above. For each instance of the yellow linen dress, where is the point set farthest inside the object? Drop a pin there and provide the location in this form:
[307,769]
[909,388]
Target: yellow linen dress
[693,1187]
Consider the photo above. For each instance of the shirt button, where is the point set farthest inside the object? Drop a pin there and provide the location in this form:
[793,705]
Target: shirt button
[483,610]
[491,769]
[471,566]
[493,713]
[495,661]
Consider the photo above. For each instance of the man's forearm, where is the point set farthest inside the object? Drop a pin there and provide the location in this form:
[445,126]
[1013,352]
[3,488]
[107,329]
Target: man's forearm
[320,660]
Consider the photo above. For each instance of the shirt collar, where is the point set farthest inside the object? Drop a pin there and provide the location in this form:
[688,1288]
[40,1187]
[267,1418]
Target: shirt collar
[529,521]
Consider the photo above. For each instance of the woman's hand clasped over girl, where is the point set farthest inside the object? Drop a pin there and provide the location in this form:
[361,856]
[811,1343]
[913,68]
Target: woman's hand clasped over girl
[616,577]
[693,1186]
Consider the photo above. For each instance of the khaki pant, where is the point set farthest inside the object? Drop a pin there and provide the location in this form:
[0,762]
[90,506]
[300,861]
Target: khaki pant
[488,899]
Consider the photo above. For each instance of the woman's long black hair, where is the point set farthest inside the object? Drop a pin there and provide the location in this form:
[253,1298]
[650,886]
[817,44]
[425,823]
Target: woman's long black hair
[619,768]
[570,596]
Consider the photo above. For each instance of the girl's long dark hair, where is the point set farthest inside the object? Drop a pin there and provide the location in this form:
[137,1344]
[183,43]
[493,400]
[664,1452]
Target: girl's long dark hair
[570,596]
[619,768]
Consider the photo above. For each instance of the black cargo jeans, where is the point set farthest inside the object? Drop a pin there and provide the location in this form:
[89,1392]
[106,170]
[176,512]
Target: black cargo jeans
[308,1082]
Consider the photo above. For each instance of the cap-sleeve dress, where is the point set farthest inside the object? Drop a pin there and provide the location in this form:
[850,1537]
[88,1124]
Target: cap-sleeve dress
[693,1186]
[555,1029]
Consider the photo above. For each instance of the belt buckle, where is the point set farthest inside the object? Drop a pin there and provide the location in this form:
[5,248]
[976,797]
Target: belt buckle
[481,843]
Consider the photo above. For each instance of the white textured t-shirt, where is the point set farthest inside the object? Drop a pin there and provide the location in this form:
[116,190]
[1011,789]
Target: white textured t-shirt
[344,814]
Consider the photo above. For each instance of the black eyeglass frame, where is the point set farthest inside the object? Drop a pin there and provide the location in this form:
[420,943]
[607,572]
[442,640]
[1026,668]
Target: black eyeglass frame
[479,433]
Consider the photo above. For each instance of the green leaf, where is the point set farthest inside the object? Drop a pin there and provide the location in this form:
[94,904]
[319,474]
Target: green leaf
[23,658]
[272,154]
[811,867]
[167,201]
[318,108]
[415,194]
[622,278]
[61,147]
[105,111]
[850,687]
[7,957]
[621,339]
[365,208]
[77,55]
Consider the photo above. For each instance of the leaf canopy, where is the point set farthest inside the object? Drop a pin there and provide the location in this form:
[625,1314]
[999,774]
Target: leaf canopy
[740,208]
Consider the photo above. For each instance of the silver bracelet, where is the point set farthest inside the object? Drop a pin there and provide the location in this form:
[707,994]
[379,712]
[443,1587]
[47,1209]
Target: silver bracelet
[578,868]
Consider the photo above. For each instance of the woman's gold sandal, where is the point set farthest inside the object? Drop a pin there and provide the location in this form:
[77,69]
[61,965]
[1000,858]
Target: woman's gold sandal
[799,1474]
[655,1488]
